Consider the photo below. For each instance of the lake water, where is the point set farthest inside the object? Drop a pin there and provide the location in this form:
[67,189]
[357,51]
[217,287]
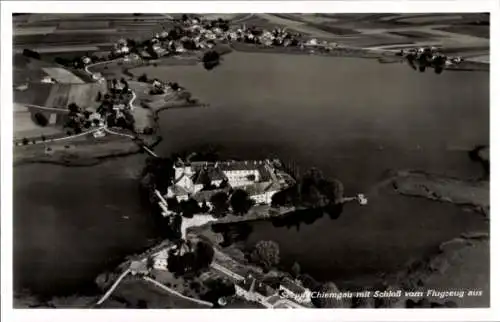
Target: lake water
[351,118]
[72,223]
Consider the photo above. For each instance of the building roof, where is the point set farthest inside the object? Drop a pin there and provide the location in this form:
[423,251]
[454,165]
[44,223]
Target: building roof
[246,284]
[205,195]
[292,286]
[213,173]
[259,188]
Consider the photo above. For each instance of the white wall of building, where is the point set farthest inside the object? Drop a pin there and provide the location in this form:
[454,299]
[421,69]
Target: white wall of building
[239,178]
[264,198]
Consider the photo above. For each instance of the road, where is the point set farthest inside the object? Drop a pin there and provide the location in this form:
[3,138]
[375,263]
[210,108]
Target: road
[105,128]
[226,271]
[168,289]
[113,287]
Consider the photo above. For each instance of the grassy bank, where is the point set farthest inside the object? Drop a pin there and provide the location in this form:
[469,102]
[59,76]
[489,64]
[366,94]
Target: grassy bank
[444,189]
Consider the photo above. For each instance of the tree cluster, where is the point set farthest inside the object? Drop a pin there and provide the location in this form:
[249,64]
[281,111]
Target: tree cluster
[313,190]
[216,289]
[265,254]
[193,261]
[31,54]
[239,201]
[77,120]
[161,172]
[211,59]
[187,208]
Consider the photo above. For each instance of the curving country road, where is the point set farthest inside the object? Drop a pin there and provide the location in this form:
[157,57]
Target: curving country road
[160,285]
[113,287]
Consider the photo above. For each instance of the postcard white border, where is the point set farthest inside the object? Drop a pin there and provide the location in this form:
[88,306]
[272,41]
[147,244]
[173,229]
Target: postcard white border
[54,315]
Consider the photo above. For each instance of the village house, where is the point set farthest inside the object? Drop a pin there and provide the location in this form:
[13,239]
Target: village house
[254,291]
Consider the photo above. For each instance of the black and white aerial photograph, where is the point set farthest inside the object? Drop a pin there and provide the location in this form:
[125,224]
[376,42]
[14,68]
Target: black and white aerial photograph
[251,160]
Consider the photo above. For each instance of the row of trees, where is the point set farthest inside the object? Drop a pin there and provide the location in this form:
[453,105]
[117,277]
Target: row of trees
[237,200]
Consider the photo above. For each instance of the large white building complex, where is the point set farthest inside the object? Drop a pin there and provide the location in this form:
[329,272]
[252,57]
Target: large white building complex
[259,179]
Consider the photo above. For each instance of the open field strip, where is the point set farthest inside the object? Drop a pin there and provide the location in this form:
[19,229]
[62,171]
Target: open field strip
[28,31]
[62,49]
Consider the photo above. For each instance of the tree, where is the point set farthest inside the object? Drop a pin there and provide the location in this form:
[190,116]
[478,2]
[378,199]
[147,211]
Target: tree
[150,262]
[25,141]
[40,119]
[218,288]
[240,202]
[87,124]
[265,254]
[43,138]
[147,131]
[211,59]
[174,86]
[189,208]
[72,107]
[143,78]
[220,205]
[31,54]
[204,254]
[295,269]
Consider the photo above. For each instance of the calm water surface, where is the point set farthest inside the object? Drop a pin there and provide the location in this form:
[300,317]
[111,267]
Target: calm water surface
[351,118]
[71,223]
